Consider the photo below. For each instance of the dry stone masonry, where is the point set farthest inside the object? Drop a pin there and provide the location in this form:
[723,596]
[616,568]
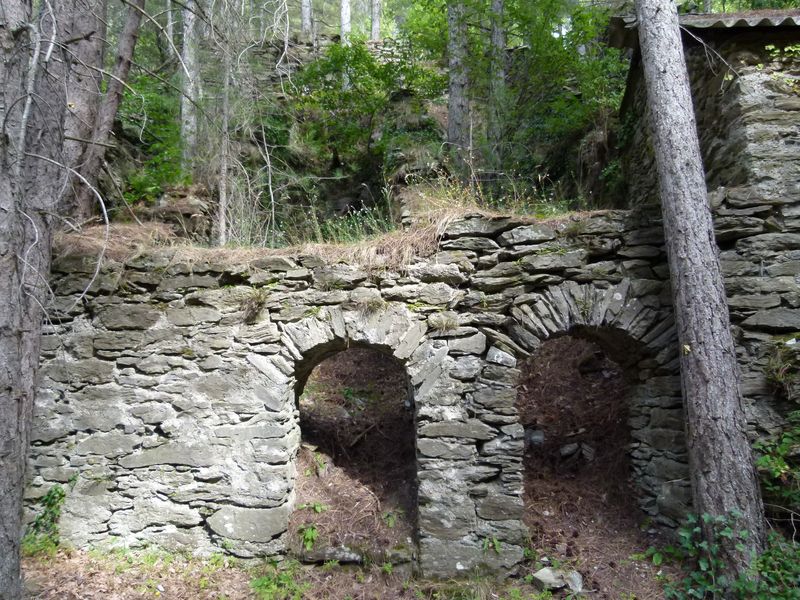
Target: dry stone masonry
[169,392]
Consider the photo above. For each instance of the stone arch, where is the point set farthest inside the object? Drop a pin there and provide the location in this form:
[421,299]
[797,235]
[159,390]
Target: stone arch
[468,487]
[636,330]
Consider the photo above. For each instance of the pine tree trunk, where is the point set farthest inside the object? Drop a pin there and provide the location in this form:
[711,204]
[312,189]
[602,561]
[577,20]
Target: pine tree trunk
[92,160]
[30,182]
[457,104]
[344,21]
[375,33]
[497,84]
[724,480]
[84,94]
[190,96]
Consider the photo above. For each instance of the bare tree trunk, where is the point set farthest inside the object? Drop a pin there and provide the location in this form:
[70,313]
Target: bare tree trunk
[724,480]
[170,28]
[32,65]
[497,84]
[222,212]
[190,95]
[375,33]
[305,19]
[344,21]
[84,93]
[458,117]
[92,160]
[707,6]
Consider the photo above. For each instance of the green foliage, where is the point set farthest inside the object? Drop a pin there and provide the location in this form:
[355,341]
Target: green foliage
[317,507]
[42,536]
[280,583]
[341,98]
[775,574]
[702,556]
[424,26]
[308,535]
[491,543]
[152,115]
[779,465]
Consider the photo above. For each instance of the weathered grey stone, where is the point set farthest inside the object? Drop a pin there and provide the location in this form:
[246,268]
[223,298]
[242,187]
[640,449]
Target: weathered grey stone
[178,282]
[429,273]
[115,443]
[674,499]
[548,578]
[152,511]
[495,398]
[86,371]
[128,316]
[555,261]
[495,355]
[775,319]
[475,244]
[760,285]
[446,519]
[249,524]
[172,453]
[496,507]
[478,226]
[527,234]
[274,263]
[440,449]
[754,301]
[470,429]
[473,344]
[338,276]
[466,367]
[192,315]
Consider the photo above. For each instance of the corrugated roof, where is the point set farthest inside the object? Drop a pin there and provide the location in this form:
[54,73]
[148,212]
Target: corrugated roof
[622,30]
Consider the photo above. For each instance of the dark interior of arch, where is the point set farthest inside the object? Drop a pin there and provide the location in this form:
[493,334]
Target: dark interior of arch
[573,403]
[357,462]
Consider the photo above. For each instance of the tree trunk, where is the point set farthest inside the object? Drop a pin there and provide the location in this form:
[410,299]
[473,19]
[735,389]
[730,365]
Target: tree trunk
[497,85]
[170,27]
[92,160]
[31,66]
[344,21]
[724,480]
[305,19]
[375,33]
[222,212]
[457,104]
[84,93]
[190,95]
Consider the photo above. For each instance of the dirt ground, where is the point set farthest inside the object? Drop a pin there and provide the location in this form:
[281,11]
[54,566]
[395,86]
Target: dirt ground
[356,490]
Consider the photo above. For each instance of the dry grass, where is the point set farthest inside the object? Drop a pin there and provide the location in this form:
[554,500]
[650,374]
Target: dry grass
[127,575]
[393,250]
[434,204]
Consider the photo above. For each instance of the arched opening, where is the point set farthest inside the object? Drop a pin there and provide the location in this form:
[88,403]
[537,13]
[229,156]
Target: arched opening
[580,503]
[356,467]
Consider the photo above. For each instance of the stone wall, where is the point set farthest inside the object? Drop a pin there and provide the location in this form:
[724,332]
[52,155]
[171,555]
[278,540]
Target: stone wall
[746,91]
[170,390]
[168,393]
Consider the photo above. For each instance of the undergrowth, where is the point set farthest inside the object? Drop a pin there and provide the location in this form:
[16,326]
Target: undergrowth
[42,536]
[774,575]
